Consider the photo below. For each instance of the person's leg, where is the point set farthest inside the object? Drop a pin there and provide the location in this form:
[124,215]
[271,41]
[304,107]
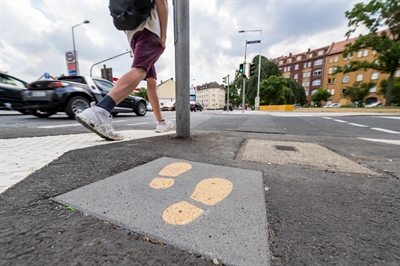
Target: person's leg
[153,98]
[127,83]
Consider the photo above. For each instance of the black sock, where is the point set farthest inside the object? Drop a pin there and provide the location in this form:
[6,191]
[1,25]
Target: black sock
[107,103]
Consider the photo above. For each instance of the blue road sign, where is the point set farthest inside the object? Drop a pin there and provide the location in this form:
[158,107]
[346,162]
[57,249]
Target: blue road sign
[46,75]
[250,42]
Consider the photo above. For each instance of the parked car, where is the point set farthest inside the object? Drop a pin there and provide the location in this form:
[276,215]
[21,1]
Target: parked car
[73,94]
[375,104]
[169,106]
[230,107]
[194,106]
[332,105]
[11,90]
[297,105]
[149,107]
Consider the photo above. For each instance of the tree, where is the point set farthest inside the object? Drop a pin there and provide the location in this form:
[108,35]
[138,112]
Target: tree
[395,90]
[268,68]
[320,95]
[298,92]
[376,14]
[142,93]
[358,92]
[274,90]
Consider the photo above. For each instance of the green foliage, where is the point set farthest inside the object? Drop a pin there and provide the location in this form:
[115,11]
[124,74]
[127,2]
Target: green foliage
[320,95]
[374,15]
[395,90]
[299,94]
[274,90]
[142,93]
[358,92]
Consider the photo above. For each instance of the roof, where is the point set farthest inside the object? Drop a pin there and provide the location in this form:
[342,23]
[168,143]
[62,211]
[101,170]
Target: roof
[338,47]
[211,85]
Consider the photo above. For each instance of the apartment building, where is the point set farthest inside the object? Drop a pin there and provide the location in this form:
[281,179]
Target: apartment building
[307,68]
[336,84]
[211,95]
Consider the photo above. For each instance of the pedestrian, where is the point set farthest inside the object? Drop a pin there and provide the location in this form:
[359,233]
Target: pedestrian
[147,42]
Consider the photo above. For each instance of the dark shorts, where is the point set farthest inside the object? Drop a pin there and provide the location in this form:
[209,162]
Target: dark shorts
[146,49]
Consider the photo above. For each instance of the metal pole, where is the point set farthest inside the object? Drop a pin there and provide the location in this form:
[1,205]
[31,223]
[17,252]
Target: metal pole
[227,107]
[106,60]
[257,103]
[244,77]
[75,57]
[182,67]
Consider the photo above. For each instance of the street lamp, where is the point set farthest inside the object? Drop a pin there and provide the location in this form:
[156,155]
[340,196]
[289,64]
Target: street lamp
[73,42]
[257,100]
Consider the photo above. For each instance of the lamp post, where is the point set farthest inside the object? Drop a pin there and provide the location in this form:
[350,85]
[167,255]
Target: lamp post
[73,43]
[257,100]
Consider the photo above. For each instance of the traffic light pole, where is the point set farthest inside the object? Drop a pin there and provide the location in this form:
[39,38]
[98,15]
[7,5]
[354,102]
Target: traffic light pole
[227,107]
[244,77]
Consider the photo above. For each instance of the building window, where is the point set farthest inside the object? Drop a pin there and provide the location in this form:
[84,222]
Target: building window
[317,72]
[281,62]
[284,70]
[331,59]
[307,84]
[359,54]
[304,74]
[318,62]
[305,65]
[280,69]
[359,77]
[320,52]
[289,60]
[334,81]
[299,57]
[375,75]
[309,64]
[330,70]
[309,55]
[288,68]
[397,74]
[303,84]
[296,76]
[336,58]
[308,73]
[296,66]
[373,89]
[345,58]
[365,52]
[316,82]
[343,90]
[329,81]
[345,79]
[333,91]
[314,91]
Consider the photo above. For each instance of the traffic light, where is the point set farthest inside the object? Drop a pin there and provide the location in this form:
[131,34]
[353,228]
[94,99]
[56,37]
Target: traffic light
[224,79]
[252,68]
[241,68]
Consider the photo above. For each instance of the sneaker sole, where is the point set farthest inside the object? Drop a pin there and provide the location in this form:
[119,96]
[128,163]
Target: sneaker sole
[87,123]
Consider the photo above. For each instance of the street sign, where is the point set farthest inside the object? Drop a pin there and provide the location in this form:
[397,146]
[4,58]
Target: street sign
[250,42]
[46,75]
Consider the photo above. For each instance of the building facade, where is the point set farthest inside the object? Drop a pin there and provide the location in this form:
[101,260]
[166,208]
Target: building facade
[166,91]
[306,68]
[336,83]
[210,95]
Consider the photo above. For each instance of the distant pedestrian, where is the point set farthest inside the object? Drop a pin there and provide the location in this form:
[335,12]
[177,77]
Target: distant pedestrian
[147,43]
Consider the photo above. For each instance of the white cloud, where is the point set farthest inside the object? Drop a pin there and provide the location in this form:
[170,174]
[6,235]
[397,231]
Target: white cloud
[36,34]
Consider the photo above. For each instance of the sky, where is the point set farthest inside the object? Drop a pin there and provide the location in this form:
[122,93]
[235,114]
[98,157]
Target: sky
[36,34]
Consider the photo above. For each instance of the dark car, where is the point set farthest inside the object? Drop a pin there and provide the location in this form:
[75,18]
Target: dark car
[194,106]
[11,90]
[230,107]
[73,94]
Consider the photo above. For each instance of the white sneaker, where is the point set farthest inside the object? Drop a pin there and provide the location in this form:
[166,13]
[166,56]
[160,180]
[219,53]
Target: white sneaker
[164,126]
[98,120]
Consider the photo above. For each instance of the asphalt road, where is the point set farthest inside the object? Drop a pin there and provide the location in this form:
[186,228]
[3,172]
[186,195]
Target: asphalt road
[315,216]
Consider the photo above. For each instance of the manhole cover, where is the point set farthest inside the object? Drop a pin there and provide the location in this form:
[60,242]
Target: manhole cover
[285,148]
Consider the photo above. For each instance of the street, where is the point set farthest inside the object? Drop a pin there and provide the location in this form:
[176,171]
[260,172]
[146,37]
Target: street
[331,183]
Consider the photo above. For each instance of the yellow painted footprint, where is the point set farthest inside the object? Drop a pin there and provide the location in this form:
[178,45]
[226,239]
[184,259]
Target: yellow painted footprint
[171,170]
[208,191]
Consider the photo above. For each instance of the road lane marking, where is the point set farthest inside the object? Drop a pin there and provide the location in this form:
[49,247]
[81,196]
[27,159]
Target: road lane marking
[388,141]
[357,125]
[385,130]
[143,123]
[340,121]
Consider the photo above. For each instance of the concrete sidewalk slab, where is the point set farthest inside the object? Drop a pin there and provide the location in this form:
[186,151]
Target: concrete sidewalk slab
[227,223]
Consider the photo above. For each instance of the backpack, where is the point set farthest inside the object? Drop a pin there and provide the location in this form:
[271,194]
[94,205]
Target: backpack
[129,14]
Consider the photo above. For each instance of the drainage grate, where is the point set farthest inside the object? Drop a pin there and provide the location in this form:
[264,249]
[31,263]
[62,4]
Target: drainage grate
[285,148]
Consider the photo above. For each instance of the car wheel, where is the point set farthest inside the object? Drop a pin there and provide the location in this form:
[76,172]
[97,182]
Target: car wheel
[76,105]
[41,114]
[201,109]
[141,109]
